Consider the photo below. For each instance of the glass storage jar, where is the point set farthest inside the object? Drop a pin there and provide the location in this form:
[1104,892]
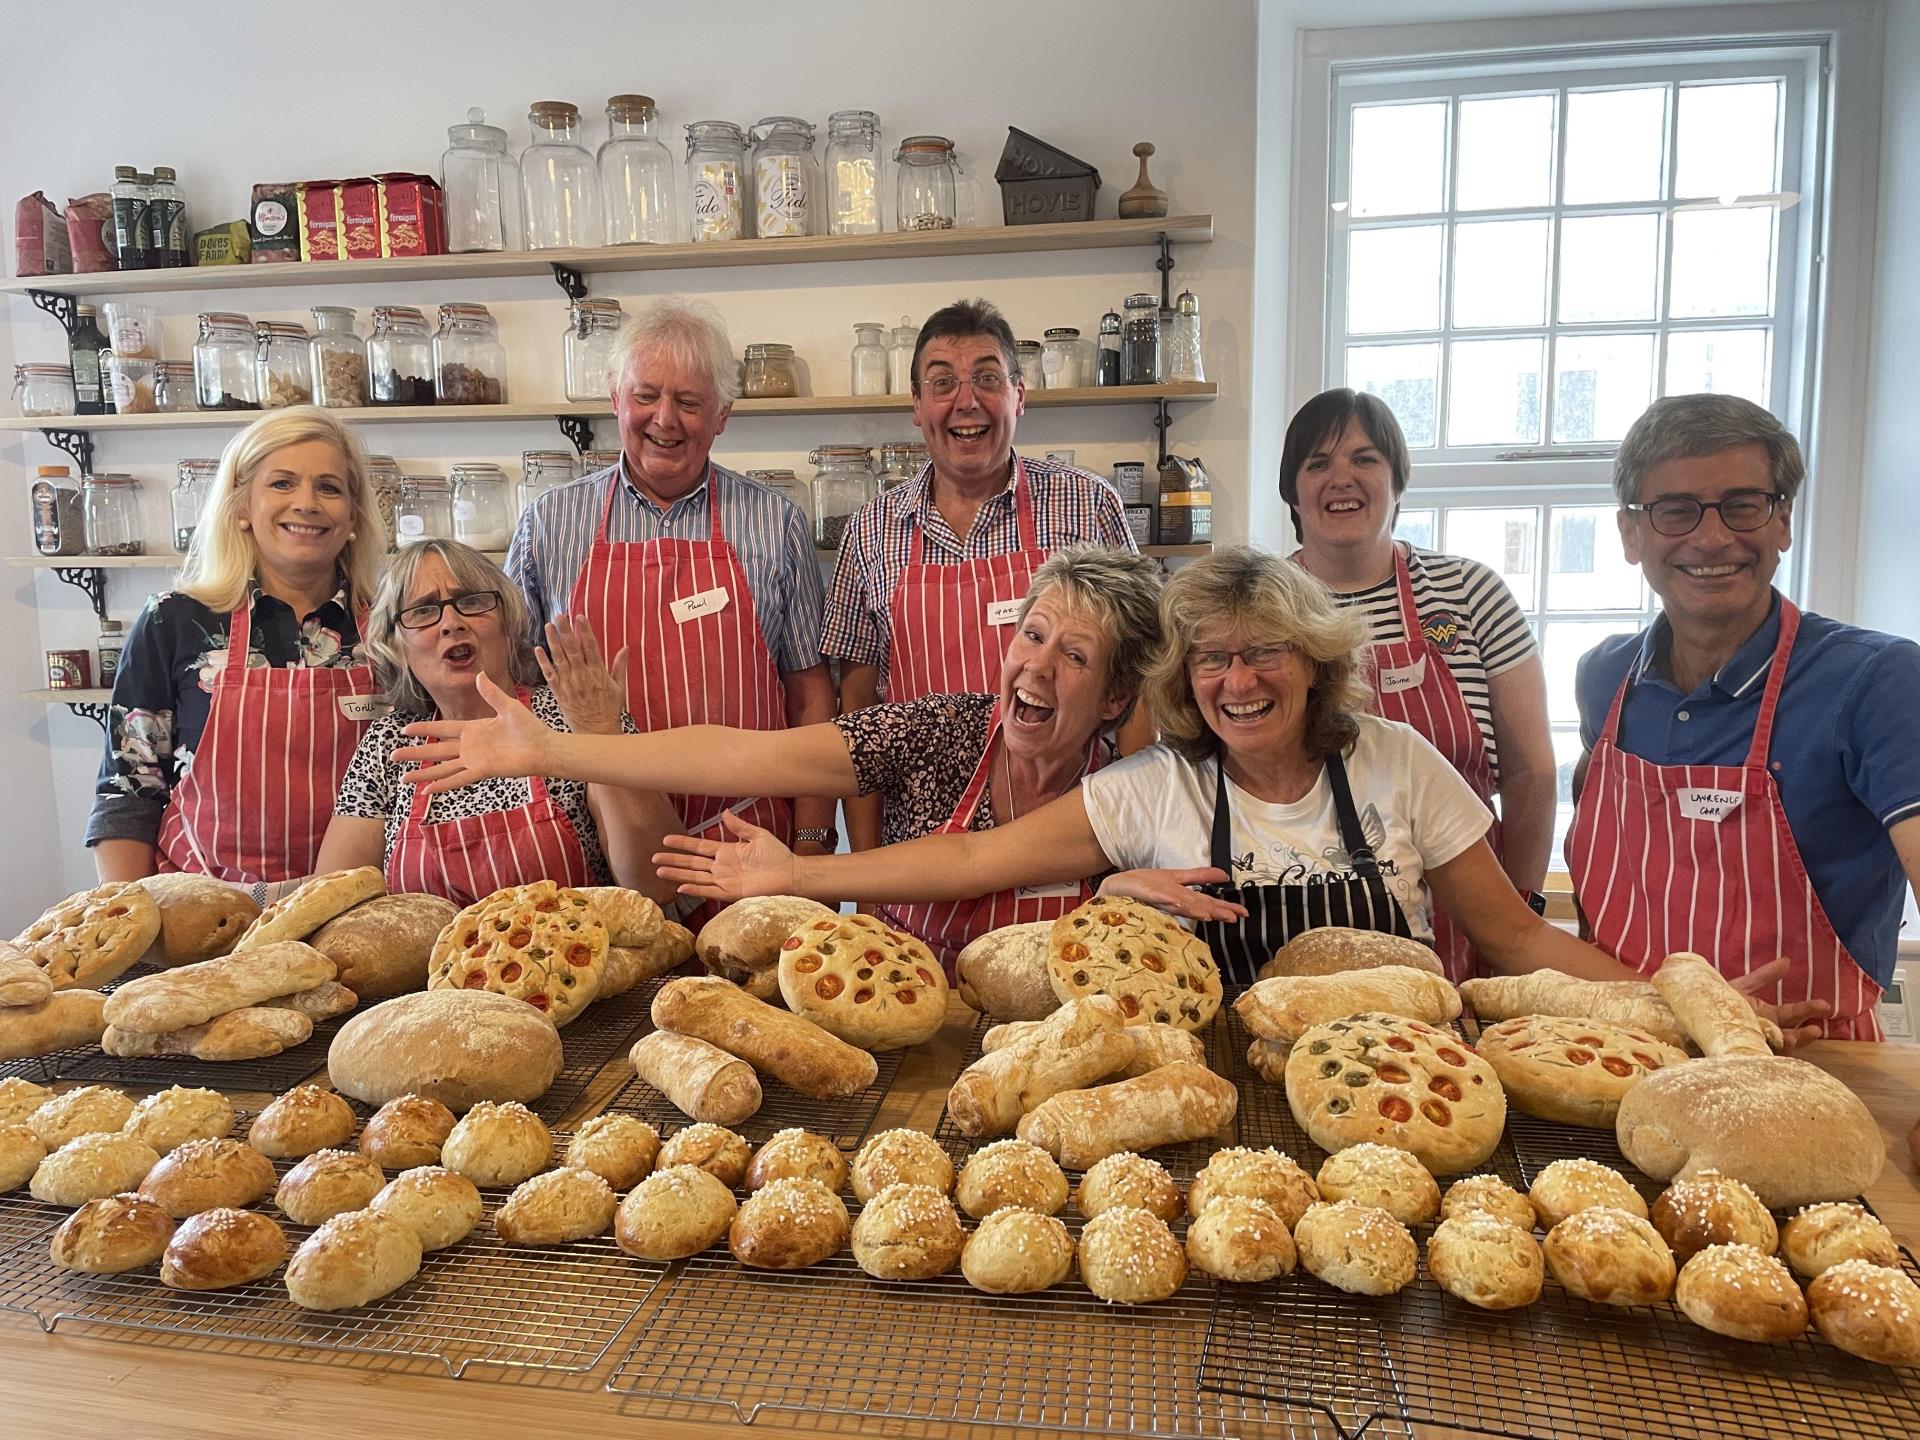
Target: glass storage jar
[59,516]
[112,505]
[339,358]
[869,359]
[592,462]
[853,173]
[46,390]
[786,177]
[1141,356]
[482,509]
[422,510]
[928,183]
[789,485]
[223,362]
[384,474]
[771,373]
[482,189]
[899,463]
[173,387]
[636,175]
[469,362]
[281,364]
[1106,366]
[592,326]
[1028,355]
[1063,359]
[400,357]
[842,483]
[1184,361]
[192,485]
[540,471]
[558,181]
[717,180]
[900,343]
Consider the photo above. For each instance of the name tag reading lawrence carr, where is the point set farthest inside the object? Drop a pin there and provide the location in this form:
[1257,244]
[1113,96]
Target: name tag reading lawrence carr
[1396,678]
[364,707]
[707,602]
[1003,612]
[1712,806]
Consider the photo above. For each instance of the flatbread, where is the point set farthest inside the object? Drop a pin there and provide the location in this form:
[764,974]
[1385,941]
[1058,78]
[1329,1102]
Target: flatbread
[858,978]
[93,936]
[1159,972]
[539,943]
[1571,1070]
[201,918]
[296,916]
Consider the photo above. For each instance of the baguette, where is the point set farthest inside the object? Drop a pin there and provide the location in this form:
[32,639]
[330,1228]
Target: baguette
[194,994]
[1177,1102]
[1632,1003]
[21,981]
[322,1002]
[70,1017]
[774,1042]
[1711,1011]
[702,1080]
[249,1033]
[1287,1006]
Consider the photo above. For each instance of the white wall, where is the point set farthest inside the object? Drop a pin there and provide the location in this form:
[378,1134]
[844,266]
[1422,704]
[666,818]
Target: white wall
[254,93]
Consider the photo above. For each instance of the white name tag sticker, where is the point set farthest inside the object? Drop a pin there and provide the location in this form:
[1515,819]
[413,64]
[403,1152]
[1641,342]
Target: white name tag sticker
[364,707]
[1403,677]
[1003,612]
[707,602]
[1068,891]
[1712,806]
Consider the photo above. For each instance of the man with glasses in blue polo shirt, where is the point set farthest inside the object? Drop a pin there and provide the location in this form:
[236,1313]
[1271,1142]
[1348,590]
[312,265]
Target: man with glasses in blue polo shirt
[1751,787]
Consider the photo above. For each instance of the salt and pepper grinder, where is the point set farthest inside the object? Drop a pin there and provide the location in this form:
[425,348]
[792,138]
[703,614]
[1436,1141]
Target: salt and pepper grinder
[1145,201]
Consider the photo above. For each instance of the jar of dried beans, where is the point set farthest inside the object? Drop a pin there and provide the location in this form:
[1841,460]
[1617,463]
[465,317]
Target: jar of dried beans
[469,362]
[400,357]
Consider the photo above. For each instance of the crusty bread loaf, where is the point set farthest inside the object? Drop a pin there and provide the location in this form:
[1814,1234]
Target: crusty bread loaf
[1710,1010]
[201,918]
[632,919]
[742,943]
[1177,1102]
[1077,1045]
[245,1034]
[1286,1007]
[794,1051]
[1157,1045]
[704,1081]
[298,915]
[455,1046]
[70,1017]
[1790,1131]
[195,994]
[1004,972]
[1632,1003]
[381,946]
[21,981]
[1336,949]
[322,1002]
[628,965]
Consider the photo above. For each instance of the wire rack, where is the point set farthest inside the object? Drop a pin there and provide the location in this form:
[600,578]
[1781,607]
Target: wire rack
[606,1029]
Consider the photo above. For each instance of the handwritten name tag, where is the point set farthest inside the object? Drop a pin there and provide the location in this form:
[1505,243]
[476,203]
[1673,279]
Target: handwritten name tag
[1068,891]
[364,707]
[1403,677]
[1712,806]
[1003,612]
[707,602]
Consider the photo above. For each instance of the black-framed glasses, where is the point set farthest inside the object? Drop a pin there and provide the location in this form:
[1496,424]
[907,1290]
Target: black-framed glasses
[1254,657]
[428,612]
[984,382]
[1740,510]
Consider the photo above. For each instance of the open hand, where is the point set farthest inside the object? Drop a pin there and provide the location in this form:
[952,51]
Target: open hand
[1173,892]
[1793,1019]
[755,862]
[592,693]
[459,752]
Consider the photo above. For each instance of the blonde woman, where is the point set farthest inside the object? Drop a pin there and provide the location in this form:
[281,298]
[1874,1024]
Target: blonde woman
[241,692]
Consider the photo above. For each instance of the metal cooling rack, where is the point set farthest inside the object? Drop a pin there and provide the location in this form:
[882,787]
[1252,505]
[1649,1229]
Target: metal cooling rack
[58,1064]
[607,1029]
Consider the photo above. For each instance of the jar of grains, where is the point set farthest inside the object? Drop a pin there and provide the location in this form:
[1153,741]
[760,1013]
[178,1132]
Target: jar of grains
[771,373]
[384,474]
[842,484]
[339,358]
[469,362]
[928,182]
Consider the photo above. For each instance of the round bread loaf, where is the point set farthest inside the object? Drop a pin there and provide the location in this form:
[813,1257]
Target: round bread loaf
[1868,1310]
[21,1152]
[20,1098]
[381,947]
[1491,1194]
[1566,1187]
[710,1148]
[168,1119]
[328,1183]
[208,1175]
[407,1132]
[1268,1175]
[91,1167]
[90,1110]
[110,1235]
[218,1249]
[1335,949]
[303,1120]
[677,1211]
[1380,1175]
[1790,1131]
[1572,1070]
[1477,1257]
[1712,1209]
[1129,1179]
[742,943]
[498,1145]
[788,1225]
[1240,1239]
[1357,1248]
[351,1261]
[1015,1252]
[201,918]
[556,1208]
[440,1207]
[620,1149]
[1130,1257]
[908,1232]
[794,1154]
[1823,1236]
[1003,973]
[1610,1257]
[1010,1173]
[900,1157]
[455,1046]
[1741,1292]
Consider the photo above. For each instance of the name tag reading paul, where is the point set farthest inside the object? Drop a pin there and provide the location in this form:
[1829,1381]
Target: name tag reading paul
[1069,890]
[364,707]
[1403,677]
[707,602]
[1003,612]
[1711,806]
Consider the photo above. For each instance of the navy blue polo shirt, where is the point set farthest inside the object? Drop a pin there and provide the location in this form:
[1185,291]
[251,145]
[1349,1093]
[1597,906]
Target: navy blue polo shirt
[1845,751]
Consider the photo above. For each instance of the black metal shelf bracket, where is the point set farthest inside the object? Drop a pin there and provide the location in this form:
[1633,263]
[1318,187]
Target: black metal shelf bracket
[91,580]
[578,429]
[570,280]
[77,443]
[90,710]
[60,307]
[1165,266]
[1162,418]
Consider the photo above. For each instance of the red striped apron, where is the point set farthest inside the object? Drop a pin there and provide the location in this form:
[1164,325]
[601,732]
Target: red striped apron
[466,860]
[948,925]
[952,624]
[1700,857]
[257,796]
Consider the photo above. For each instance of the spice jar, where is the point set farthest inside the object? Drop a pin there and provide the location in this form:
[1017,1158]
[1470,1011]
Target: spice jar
[1184,361]
[59,516]
[112,505]
[339,358]
[422,510]
[540,471]
[869,360]
[469,362]
[400,357]
[788,484]
[636,175]
[842,483]
[281,365]
[786,177]
[900,345]
[853,173]
[1063,359]
[1106,368]
[45,390]
[771,373]
[193,483]
[385,477]
[592,327]
[1140,342]
[173,387]
[482,189]
[928,179]
[559,181]
[716,180]
[482,516]
[223,362]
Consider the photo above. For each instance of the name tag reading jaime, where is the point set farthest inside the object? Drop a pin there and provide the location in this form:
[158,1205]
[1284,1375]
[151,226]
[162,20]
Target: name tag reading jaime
[1403,677]
[707,602]
[1069,890]
[1712,806]
[1003,612]
[364,707]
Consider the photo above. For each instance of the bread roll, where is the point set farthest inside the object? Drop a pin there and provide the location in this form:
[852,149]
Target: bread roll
[303,1120]
[328,1183]
[742,943]
[1488,1262]
[91,1109]
[1129,1256]
[1710,1010]
[788,1225]
[1357,1248]
[1240,1239]
[1491,1194]
[1129,1179]
[455,1046]
[1076,1045]
[1380,1175]
[1164,1107]
[249,1033]
[381,946]
[168,1119]
[201,918]
[21,981]
[209,1175]
[794,1051]
[1337,950]
[711,1148]
[1017,1252]
[900,1157]
[1004,972]
[1741,1292]
[1868,1310]
[1286,1007]
[557,1208]
[1790,1131]
[618,1148]
[632,919]
[1269,1175]
[406,1132]
[794,1154]
[1634,1004]
[195,994]
[675,1212]
[1566,1187]
[69,1018]
[298,915]
[908,1232]
[498,1145]
[1823,1236]
[92,936]
[440,1207]
[218,1249]
[21,1152]
[1712,1209]
[351,1261]
[1010,1173]
[1610,1257]
[20,1098]
[112,1235]
[701,1080]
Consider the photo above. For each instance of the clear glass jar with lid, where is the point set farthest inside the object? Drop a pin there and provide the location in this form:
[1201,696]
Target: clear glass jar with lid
[592,326]
[112,505]
[281,364]
[45,390]
[1063,359]
[469,362]
[592,462]
[900,342]
[1028,353]
[173,387]
[771,373]
[786,177]
[636,175]
[853,174]
[717,180]
[928,183]
[789,485]
[422,509]
[400,357]
[899,463]
[869,359]
[842,483]
[540,471]
[192,485]
[224,376]
[1142,354]
[339,358]
[1184,359]
[482,509]
[1106,359]
[482,188]
[385,476]
[558,181]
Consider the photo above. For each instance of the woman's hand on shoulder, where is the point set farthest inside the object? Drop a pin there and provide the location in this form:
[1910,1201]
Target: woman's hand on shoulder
[456,753]
[592,693]
[1173,892]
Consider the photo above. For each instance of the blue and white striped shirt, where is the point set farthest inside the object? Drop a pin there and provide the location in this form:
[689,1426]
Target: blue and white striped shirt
[767,530]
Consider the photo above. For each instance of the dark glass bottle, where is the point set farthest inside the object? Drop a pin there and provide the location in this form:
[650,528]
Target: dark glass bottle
[83,349]
[167,221]
[1106,369]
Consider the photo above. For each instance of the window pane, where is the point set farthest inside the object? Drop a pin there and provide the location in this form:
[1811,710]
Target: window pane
[1608,265]
[1399,159]
[1616,145]
[1500,273]
[1601,383]
[1722,262]
[1407,377]
[1503,539]
[1393,279]
[1566,755]
[1727,140]
[1726,362]
[1586,568]
[1566,642]
[1506,153]
[1417,527]
[1495,394]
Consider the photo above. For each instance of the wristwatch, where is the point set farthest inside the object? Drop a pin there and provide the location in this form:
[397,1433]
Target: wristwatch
[1537,902]
[824,835]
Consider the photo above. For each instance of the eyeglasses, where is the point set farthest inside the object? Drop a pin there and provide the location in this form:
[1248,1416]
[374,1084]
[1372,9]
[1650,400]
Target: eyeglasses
[1681,514]
[984,382]
[428,612]
[1254,657]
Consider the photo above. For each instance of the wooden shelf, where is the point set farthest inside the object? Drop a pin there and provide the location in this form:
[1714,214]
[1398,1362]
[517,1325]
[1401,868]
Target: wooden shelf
[66,697]
[499,557]
[812,249]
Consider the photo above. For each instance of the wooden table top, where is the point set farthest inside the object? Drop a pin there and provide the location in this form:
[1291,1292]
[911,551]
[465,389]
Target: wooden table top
[77,1384]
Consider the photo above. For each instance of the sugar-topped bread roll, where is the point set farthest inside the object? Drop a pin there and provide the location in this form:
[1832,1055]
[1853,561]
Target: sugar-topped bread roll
[620,1149]
[1394,1180]
[1010,1173]
[1567,1187]
[20,1098]
[1491,1194]
[1868,1310]
[91,1167]
[1241,1239]
[497,1145]
[303,1120]
[328,1183]
[788,1224]
[1268,1175]
[90,1110]
[1822,1236]
[168,1119]
[1129,1179]
[1357,1248]
[437,1205]
[677,1211]
[351,1261]
[908,1232]
[1712,1209]
[218,1249]
[1016,1252]
[1488,1262]
[1129,1256]
[712,1148]
[110,1235]
[209,1175]
[796,1154]
[406,1132]
[1742,1292]
[557,1208]
[1611,1257]
[21,1152]
[900,1157]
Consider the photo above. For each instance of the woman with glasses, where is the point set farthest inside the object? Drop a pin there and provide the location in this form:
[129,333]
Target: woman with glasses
[1452,653]
[443,617]
[251,666]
